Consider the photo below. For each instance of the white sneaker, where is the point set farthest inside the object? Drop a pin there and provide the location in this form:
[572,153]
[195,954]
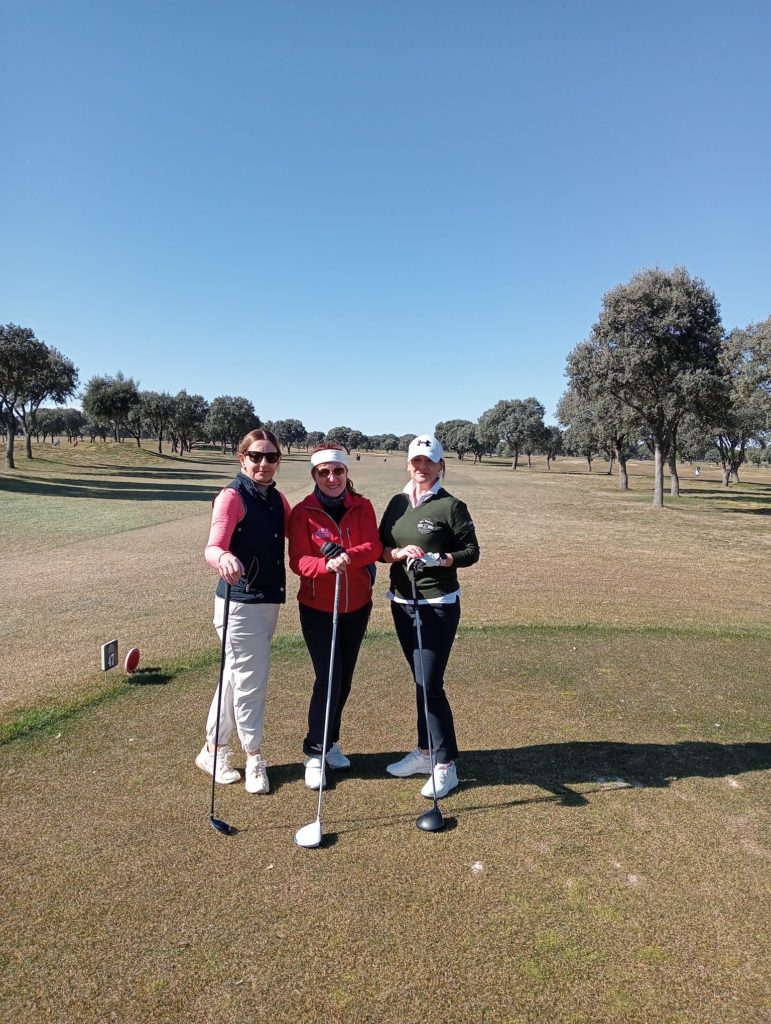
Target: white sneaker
[337,759]
[413,763]
[256,776]
[225,771]
[315,776]
[445,778]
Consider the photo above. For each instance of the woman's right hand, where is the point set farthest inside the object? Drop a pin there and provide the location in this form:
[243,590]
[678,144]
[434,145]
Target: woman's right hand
[410,551]
[230,569]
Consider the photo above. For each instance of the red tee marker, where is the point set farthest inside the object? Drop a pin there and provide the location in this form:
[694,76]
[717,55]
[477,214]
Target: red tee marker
[132,660]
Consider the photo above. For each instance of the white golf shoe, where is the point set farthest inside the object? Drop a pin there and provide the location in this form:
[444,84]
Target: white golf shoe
[315,776]
[336,758]
[445,779]
[414,763]
[256,776]
[226,773]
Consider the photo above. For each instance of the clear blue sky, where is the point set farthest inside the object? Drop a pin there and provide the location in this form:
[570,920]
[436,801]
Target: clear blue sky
[378,214]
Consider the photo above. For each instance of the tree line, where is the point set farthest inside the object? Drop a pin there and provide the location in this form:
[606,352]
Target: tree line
[657,375]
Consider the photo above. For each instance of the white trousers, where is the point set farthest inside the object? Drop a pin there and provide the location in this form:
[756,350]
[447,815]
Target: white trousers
[245,679]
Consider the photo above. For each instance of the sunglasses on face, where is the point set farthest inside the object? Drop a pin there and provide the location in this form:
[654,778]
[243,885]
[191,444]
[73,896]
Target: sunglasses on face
[271,457]
[337,471]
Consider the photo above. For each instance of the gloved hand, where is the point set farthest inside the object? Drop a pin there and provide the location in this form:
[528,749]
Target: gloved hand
[332,550]
[433,559]
[430,560]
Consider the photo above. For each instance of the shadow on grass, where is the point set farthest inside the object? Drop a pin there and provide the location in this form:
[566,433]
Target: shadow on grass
[95,487]
[153,675]
[555,767]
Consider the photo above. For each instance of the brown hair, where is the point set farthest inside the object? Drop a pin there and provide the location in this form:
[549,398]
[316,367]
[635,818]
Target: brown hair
[259,435]
[331,446]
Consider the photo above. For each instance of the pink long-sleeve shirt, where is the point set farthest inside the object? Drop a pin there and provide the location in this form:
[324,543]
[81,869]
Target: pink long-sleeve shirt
[227,512]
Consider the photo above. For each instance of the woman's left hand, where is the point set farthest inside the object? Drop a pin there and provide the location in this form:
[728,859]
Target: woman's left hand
[338,564]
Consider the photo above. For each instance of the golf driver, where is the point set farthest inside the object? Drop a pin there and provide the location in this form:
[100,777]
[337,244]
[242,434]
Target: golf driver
[309,836]
[217,823]
[431,821]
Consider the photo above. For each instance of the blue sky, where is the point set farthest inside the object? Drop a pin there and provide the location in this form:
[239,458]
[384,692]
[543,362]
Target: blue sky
[368,213]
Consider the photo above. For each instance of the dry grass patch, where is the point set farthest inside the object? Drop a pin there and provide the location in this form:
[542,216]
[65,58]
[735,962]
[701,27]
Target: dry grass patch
[607,857]
[108,540]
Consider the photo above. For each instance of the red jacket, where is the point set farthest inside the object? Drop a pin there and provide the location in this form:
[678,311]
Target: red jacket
[310,527]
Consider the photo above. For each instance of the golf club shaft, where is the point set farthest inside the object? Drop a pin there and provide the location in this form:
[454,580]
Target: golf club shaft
[335,612]
[219,695]
[413,577]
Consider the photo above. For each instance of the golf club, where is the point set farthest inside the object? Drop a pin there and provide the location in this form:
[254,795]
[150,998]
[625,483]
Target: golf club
[217,823]
[309,836]
[431,821]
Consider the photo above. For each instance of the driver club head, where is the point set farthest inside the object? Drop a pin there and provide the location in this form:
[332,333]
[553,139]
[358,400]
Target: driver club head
[431,821]
[221,826]
[309,836]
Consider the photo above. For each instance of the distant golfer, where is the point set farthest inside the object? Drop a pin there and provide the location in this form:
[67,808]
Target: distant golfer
[427,522]
[250,518]
[332,514]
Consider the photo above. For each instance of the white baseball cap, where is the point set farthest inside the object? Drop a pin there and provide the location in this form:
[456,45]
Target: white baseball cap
[425,444]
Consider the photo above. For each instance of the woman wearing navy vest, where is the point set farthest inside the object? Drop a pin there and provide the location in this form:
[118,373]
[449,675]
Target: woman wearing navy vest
[250,518]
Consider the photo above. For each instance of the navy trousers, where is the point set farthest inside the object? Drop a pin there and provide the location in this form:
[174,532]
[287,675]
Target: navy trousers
[438,626]
[317,632]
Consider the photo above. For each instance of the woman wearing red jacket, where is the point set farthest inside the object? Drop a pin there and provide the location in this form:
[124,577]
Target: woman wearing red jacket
[333,513]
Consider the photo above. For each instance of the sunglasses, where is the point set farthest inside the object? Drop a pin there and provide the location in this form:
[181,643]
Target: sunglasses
[337,471]
[271,457]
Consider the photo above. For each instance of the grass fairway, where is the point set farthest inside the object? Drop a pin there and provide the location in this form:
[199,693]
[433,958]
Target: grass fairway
[606,857]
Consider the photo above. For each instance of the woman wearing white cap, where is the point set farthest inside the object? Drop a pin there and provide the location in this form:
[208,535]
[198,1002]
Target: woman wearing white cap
[426,522]
[334,513]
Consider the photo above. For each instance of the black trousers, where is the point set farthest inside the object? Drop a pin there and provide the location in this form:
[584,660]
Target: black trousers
[317,632]
[438,626]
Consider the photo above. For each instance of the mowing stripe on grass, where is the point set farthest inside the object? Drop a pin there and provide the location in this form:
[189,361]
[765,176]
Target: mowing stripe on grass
[44,718]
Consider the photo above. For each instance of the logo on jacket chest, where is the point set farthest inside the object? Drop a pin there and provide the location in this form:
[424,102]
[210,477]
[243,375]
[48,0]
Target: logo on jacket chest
[322,534]
[427,526]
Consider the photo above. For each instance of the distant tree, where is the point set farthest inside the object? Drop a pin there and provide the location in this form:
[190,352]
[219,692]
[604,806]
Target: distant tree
[456,436]
[289,432]
[745,415]
[655,349]
[356,439]
[615,428]
[517,422]
[74,423]
[188,421]
[94,428]
[695,439]
[486,440]
[229,419]
[110,400]
[157,411]
[403,442]
[341,435]
[390,443]
[582,434]
[314,437]
[30,372]
[552,444]
[48,421]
